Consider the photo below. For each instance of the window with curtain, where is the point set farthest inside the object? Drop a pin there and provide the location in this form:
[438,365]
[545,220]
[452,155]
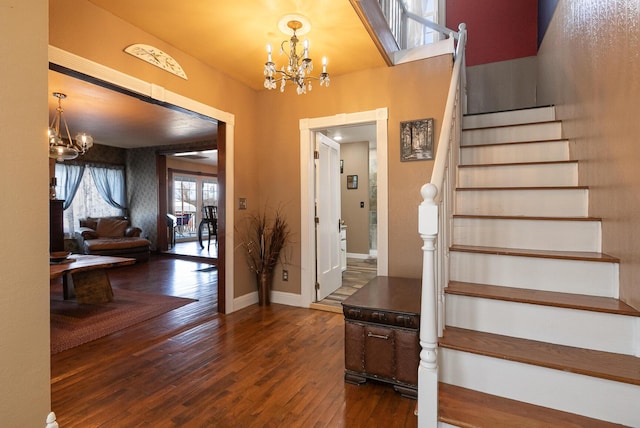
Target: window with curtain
[99,193]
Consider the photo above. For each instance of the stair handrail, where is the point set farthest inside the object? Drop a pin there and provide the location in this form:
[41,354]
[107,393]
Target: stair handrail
[434,215]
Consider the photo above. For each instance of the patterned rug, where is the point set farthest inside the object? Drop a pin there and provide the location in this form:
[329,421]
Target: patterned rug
[73,324]
[358,273]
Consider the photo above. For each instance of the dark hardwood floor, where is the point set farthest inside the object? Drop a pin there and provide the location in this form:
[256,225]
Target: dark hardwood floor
[192,367]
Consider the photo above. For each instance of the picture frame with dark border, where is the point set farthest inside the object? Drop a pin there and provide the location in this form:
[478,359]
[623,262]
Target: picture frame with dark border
[416,140]
[352,181]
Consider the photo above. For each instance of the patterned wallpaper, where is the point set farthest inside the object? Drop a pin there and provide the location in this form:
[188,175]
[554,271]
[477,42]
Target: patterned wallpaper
[142,191]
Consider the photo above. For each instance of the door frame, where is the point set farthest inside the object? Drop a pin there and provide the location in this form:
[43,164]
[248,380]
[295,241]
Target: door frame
[158,93]
[308,128]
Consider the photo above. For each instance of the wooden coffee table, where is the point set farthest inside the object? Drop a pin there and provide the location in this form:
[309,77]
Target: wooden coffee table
[85,277]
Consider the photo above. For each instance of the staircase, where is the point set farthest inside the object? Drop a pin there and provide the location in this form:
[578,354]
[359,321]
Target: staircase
[535,334]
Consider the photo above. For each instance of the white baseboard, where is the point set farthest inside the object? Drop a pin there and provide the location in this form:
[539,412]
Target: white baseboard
[279,297]
[244,301]
[289,299]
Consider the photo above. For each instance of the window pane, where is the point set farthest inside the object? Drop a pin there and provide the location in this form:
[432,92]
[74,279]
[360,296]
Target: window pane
[185,206]
[86,203]
[209,192]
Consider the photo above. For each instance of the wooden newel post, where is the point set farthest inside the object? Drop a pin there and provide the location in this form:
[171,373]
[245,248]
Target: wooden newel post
[428,368]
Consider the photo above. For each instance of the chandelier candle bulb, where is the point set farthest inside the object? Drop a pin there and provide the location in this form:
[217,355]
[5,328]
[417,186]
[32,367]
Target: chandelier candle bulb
[269,52]
[324,64]
[306,48]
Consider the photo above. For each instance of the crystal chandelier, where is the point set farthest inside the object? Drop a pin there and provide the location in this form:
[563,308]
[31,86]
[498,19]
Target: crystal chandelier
[58,149]
[298,70]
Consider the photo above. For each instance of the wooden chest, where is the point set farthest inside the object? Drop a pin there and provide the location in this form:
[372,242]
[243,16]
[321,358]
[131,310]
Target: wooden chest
[382,322]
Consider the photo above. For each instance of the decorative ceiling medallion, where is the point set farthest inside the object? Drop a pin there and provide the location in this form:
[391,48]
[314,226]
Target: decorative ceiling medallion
[156,57]
[283,24]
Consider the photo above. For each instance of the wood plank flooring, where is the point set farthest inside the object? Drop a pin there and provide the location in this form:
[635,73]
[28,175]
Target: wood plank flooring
[359,272]
[192,367]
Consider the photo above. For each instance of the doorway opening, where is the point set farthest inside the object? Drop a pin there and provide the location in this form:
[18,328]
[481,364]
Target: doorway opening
[308,130]
[353,190]
[103,77]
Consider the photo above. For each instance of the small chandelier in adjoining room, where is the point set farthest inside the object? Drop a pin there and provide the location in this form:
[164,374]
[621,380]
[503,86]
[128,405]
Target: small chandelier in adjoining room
[58,149]
[298,70]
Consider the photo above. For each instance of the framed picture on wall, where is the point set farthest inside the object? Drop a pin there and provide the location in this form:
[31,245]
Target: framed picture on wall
[416,140]
[352,181]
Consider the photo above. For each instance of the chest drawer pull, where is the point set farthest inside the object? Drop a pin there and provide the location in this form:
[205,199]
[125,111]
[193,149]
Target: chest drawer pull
[378,336]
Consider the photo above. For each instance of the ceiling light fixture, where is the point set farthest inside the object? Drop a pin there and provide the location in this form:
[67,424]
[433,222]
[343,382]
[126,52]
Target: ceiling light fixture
[58,149]
[298,70]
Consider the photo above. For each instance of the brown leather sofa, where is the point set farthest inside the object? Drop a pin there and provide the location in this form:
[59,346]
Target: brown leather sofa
[111,236]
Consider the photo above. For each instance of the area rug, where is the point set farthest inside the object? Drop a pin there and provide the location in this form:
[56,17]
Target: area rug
[73,324]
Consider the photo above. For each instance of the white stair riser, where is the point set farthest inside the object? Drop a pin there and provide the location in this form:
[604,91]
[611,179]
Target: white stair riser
[524,202]
[556,235]
[566,276]
[570,327]
[540,114]
[545,151]
[512,134]
[574,393]
[527,175]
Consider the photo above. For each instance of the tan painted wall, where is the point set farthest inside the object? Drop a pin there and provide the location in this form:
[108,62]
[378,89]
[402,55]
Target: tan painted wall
[356,162]
[588,67]
[24,301]
[410,91]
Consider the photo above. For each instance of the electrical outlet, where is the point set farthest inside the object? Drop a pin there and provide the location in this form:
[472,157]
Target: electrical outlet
[285,275]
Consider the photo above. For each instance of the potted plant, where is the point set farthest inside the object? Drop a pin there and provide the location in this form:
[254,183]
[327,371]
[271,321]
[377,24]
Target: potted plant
[264,240]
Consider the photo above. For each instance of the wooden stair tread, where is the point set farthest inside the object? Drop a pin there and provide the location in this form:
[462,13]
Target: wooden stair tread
[508,110]
[466,189]
[600,364]
[467,408]
[514,217]
[548,254]
[471,146]
[543,122]
[539,297]
[497,165]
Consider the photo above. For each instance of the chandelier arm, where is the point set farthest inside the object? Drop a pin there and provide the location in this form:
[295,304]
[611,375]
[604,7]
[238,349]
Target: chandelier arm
[282,50]
[71,143]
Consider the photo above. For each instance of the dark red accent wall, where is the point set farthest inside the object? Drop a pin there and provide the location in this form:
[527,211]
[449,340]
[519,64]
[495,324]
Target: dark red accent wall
[497,30]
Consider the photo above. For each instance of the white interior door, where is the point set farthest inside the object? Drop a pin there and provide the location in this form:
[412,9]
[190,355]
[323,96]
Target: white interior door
[328,268]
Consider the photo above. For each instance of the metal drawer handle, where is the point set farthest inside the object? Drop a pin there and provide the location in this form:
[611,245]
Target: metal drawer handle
[378,336]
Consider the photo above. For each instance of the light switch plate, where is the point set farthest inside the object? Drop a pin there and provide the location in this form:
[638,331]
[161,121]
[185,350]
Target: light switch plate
[242,203]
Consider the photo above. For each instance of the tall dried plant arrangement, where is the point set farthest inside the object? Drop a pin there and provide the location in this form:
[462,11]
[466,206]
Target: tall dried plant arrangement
[264,240]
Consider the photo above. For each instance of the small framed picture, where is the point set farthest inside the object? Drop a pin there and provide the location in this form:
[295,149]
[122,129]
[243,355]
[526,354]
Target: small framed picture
[352,181]
[416,140]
